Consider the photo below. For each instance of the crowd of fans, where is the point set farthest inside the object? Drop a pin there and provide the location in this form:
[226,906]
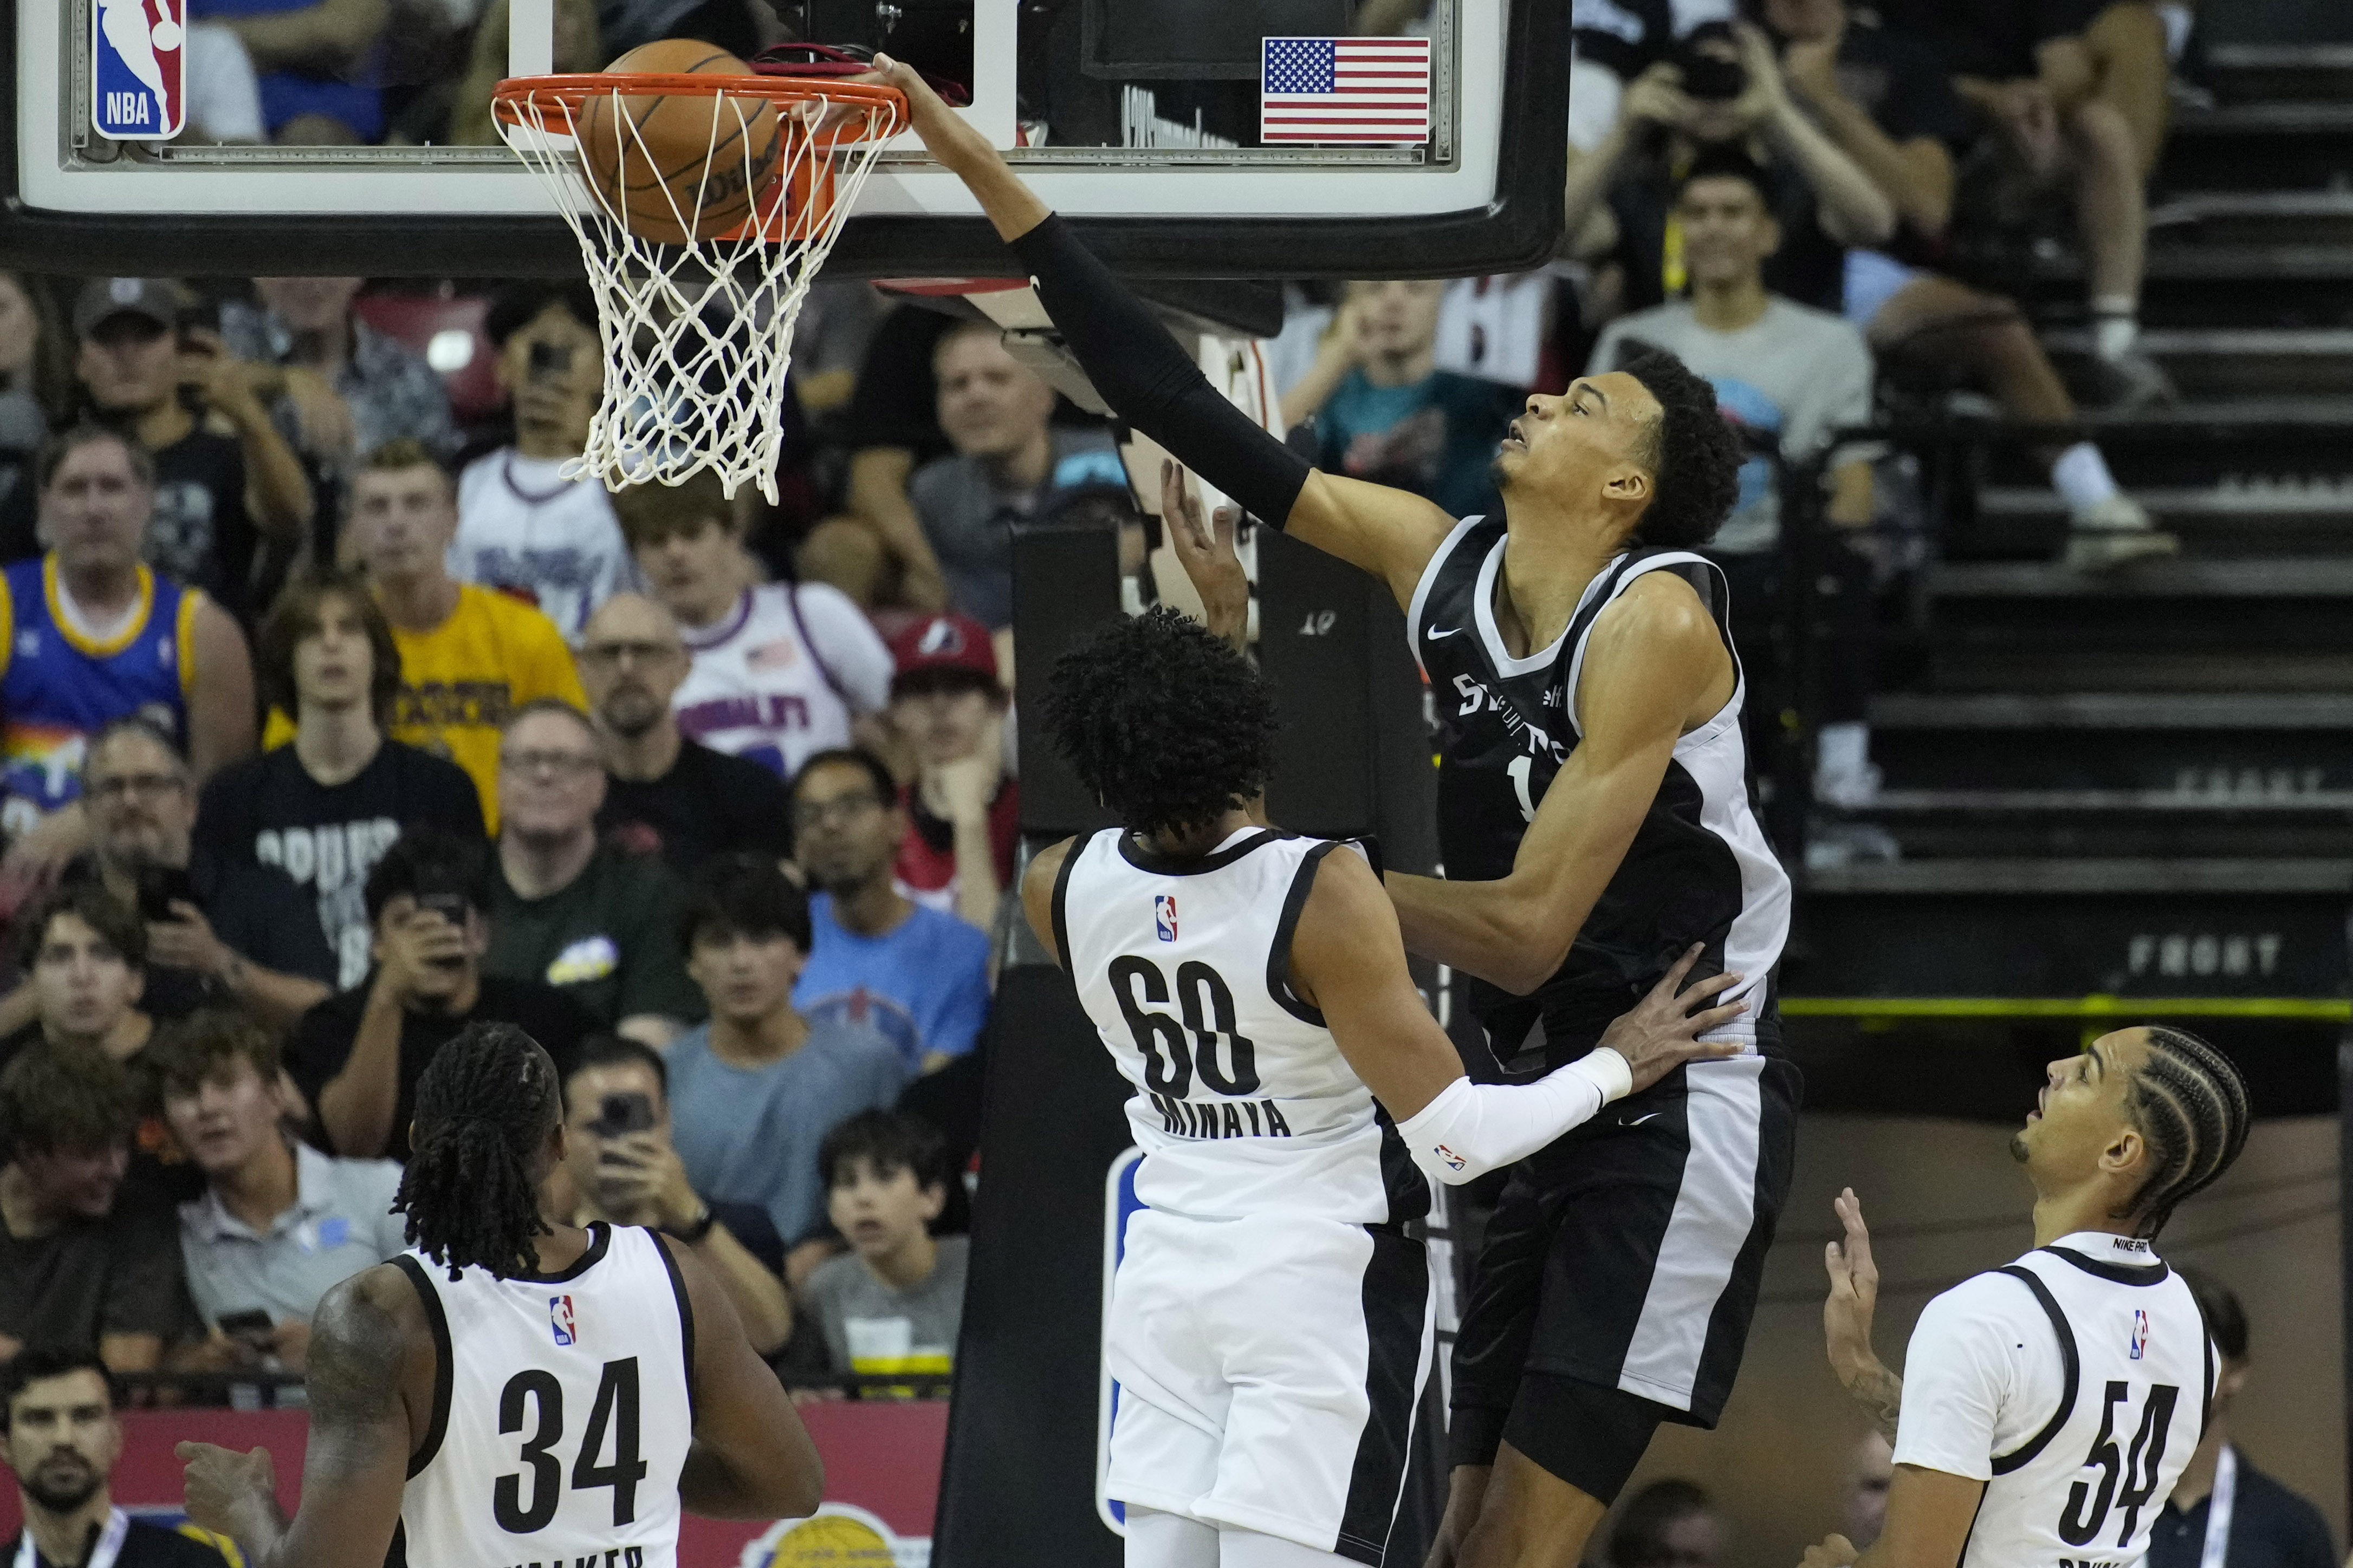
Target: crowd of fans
[333,716]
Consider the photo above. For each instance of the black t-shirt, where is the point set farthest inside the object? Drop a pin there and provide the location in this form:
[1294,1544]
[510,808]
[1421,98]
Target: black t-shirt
[144,1545]
[1993,40]
[708,802]
[2271,1527]
[199,532]
[322,1041]
[267,812]
[897,400]
[91,1278]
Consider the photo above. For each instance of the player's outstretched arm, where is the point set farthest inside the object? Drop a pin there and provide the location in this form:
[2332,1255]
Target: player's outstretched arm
[751,1458]
[1347,959]
[1654,669]
[1154,384]
[1846,1318]
[1929,1513]
[1038,894]
[356,1462]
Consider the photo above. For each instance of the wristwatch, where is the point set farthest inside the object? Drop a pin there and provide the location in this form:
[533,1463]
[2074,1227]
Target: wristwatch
[693,1234]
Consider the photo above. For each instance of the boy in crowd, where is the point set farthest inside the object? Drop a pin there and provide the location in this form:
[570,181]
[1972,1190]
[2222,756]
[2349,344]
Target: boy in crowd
[85,955]
[964,813]
[890,1306]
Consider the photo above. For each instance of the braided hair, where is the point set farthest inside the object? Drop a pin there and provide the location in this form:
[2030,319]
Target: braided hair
[484,1109]
[2191,1104]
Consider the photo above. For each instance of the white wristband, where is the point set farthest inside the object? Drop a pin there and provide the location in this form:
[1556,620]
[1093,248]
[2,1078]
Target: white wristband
[1610,1073]
[1470,1129]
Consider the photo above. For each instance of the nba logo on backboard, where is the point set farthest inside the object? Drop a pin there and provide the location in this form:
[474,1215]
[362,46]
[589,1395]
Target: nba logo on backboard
[559,1315]
[2140,1334]
[1164,916]
[138,70]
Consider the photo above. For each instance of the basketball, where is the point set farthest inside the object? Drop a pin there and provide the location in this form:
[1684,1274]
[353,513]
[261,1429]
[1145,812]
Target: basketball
[675,167]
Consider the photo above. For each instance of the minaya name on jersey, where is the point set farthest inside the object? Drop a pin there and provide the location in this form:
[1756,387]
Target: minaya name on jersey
[1242,1117]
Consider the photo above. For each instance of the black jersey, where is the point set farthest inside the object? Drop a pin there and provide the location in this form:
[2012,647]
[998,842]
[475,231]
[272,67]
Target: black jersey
[1699,868]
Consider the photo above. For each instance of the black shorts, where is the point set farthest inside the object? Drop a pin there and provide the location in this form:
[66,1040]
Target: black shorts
[1627,1255]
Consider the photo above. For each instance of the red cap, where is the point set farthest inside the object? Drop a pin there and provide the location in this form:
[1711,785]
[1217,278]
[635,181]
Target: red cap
[944,642]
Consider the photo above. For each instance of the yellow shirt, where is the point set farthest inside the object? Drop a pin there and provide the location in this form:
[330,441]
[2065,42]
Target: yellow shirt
[462,680]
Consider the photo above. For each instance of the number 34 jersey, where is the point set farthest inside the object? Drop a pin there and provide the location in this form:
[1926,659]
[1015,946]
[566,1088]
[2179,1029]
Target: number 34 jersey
[2074,1382]
[1243,1104]
[562,1412]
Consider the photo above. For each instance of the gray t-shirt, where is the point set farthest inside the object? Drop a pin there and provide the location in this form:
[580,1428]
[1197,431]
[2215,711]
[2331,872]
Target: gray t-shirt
[970,521]
[340,1222]
[1794,373]
[874,1331]
[749,1135]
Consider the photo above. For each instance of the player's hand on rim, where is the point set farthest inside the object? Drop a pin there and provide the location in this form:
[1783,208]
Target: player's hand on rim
[1661,1032]
[1854,1293]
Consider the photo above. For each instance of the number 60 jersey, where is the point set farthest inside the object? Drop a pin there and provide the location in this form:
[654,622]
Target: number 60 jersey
[1243,1104]
[561,1416]
[2074,1384]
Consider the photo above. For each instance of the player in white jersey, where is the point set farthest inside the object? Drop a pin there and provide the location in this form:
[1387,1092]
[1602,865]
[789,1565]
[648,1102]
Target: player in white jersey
[513,1392]
[1271,1322]
[2047,1407]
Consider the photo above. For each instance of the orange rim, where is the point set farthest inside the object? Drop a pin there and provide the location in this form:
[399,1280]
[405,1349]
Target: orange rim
[572,91]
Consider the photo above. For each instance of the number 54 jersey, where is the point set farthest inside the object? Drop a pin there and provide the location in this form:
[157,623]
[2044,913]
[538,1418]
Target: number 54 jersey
[562,1412]
[1243,1104]
[2074,1382]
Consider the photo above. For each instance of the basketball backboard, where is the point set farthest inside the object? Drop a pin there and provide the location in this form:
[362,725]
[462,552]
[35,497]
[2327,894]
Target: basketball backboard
[1141,120]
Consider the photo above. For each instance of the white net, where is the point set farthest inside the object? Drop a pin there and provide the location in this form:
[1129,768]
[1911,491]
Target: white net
[698,334]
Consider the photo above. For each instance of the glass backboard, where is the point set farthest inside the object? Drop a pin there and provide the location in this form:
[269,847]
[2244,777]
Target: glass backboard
[1192,138]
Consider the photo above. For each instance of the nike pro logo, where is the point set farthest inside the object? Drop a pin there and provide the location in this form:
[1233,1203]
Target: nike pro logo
[1434,634]
[1638,1121]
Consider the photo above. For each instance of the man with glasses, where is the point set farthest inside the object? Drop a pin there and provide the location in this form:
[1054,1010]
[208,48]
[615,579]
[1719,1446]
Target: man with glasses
[566,909]
[666,792]
[919,974]
[324,807]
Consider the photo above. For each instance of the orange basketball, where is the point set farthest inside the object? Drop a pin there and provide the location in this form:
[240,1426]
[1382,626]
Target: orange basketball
[680,167]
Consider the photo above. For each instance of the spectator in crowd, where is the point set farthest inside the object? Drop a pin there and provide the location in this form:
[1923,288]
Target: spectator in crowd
[35,392]
[620,1167]
[86,957]
[2076,108]
[355,1057]
[754,1092]
[470,657]
[520,523]
[964,810]
[279,1223]
[1670,1523]
[780,669]
[1790,377]
[95,635]
[569,910]
[224,92]
[318,62]
[578,47]
[325,807]
[216,496]
[61,1440]
[2264,1524]
[876,553]
[77,1266]
[665,793]
[1884,99]
[1009,460]
[837,326]
[1862,1502]
[1383,410]
[890,1306]
[919,974]
[343,388]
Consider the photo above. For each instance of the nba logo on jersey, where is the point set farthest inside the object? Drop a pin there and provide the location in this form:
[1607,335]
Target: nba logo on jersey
[1164,916]
[138,70]
[2140,1334]
[559,1315]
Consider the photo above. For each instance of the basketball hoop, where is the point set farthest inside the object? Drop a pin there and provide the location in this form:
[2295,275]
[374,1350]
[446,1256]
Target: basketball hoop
[698,334]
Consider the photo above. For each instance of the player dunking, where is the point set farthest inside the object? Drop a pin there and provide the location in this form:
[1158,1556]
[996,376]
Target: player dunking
[2048,1406]
[1594,823]
[1270,1326]
[510,1391]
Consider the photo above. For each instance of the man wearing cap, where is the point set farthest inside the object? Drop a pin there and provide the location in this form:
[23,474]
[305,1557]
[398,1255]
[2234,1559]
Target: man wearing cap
[225,479]
[964,810]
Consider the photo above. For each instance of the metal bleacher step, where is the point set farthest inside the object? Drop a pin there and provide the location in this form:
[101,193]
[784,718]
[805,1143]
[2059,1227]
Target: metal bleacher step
[2198,218]
[2089,750]
[2242,516]
[2268,145]
[2245,73]
[2264,577]
[2230,362]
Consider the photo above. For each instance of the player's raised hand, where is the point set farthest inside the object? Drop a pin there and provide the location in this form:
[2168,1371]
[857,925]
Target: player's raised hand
[958,144]
[1830,1551]
[1662,1032]
[1206,549]
[1854,1291]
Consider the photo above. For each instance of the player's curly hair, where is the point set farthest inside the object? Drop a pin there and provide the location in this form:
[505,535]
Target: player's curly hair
[1694,458]
[2189,1103]
[484,1109]
[1163,721]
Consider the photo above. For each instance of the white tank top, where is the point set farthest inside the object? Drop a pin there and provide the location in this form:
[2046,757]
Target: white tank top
[1243,1104]
[758,689]
[561,1413]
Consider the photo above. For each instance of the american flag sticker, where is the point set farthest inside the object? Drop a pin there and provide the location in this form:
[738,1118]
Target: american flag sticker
[1343,89]
[138,88]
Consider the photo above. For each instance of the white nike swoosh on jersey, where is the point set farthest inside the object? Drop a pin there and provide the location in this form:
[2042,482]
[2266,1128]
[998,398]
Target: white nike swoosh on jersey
[1434,634]
[1638,1121]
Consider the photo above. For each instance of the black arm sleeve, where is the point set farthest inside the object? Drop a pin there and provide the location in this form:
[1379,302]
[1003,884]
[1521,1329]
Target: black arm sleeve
[1152,384]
